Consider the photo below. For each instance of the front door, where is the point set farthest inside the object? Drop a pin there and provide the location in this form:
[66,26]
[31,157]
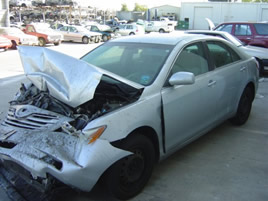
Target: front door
[189,109]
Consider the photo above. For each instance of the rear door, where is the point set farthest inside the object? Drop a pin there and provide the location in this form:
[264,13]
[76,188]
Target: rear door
[229,73]
[243,32]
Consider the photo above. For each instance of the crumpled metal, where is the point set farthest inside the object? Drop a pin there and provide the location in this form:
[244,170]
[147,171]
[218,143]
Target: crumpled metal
[67,79]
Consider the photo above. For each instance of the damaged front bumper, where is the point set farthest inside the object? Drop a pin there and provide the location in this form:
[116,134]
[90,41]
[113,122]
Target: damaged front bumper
[41,152]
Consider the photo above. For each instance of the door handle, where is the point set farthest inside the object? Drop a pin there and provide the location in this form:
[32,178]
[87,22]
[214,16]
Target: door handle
[211,82]
[243,68]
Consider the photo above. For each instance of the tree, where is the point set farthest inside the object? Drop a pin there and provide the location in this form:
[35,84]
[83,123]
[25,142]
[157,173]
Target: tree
[124,7]
[256,1]
[140,8]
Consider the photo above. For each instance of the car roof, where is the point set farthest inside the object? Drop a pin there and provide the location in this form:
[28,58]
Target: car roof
[157,38]
[243,22]
[207,31]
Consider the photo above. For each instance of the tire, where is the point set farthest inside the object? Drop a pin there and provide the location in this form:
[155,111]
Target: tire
[14,45]
[161,31]
[42,42]
[131,33]
[104,38]
[128,176]
[85,40]
[57,43]
[244,107]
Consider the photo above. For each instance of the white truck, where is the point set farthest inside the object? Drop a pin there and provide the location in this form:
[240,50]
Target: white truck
[163,26]
[22,3]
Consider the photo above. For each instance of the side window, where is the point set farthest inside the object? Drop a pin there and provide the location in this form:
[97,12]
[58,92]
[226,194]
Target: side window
[129,27]
[221,54]
[30,29]
[72,29]
[94,28]
[242,30]
[64,28]
[191,59]
[225,27]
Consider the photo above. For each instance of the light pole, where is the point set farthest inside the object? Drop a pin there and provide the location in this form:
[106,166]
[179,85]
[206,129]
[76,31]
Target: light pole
[7,22]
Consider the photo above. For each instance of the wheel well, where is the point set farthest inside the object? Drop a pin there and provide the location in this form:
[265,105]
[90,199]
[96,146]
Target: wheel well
[252,87]
[147,132]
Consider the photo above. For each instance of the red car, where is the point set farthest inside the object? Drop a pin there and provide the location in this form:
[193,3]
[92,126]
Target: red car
[250,33]
[5,43]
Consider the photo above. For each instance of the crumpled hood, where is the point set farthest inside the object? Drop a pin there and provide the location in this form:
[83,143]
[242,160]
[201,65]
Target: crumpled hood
[67,79]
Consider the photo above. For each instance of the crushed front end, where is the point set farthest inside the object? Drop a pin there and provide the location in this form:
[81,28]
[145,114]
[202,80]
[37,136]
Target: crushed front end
[45,136]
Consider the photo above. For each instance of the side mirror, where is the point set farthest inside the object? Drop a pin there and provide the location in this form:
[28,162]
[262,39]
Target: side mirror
[182,78]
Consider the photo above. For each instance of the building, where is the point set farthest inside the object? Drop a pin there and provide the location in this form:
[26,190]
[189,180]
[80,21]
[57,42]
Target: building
[171,12]
[195,13]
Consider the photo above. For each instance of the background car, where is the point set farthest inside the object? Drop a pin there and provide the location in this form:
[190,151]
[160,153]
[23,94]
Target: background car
[106,31]
[79,34]
[132,102]
[44,34]
[260,53]
[22,3]
[17,36]
[250,33]
[5,43]
[130,29]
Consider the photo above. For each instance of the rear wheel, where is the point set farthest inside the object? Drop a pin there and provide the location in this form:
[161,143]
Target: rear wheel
[161,31]
[85,40]
[42,42]
[244,107]
[128,176]
[131,33]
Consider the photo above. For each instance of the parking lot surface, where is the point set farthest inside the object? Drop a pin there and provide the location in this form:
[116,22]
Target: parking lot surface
[227,164]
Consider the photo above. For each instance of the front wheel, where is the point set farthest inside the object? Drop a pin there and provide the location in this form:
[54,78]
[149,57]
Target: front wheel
[244,107]
[128,176]
[104,38]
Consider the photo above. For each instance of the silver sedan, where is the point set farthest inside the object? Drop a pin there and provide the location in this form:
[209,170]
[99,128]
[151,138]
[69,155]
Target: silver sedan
[124,106]
[79,34]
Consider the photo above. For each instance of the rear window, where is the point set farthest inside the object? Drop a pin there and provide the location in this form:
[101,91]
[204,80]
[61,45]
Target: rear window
[261,29]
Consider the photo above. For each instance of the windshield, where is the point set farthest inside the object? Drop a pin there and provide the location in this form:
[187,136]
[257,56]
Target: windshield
[262,29]
[138,62]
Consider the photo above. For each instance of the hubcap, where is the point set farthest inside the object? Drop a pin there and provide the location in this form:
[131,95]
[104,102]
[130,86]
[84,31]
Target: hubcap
[132,168]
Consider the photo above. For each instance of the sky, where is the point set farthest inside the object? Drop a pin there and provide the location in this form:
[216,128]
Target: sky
[117,4]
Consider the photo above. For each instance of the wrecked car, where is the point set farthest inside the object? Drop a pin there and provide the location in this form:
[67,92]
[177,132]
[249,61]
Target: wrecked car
[122,107]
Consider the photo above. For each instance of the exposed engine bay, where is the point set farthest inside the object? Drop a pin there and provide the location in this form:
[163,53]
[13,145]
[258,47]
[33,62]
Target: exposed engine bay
[110,94]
